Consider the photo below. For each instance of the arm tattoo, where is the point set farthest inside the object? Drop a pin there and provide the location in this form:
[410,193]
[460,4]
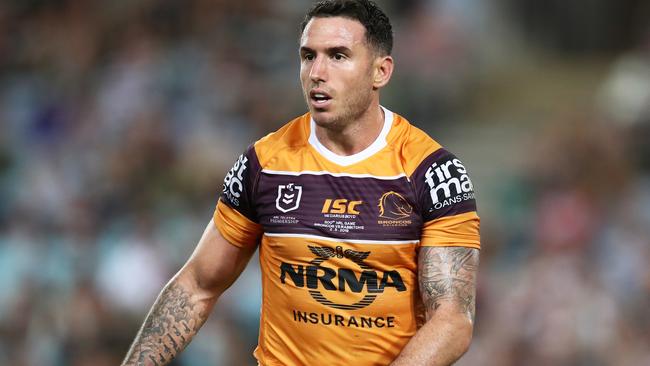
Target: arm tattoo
[448,274]
[172,322]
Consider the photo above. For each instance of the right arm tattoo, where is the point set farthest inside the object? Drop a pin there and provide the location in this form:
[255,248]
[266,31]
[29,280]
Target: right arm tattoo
[448,274]
[170,325]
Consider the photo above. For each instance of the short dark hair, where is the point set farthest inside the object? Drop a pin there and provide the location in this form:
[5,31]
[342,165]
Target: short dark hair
[379,32]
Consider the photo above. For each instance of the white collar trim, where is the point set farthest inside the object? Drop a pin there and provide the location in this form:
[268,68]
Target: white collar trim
[346,160]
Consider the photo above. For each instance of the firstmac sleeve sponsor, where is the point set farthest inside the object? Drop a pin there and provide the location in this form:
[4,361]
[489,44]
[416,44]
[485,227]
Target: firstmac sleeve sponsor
[444,186]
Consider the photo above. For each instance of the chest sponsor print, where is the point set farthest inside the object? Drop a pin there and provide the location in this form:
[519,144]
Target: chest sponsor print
[355,277]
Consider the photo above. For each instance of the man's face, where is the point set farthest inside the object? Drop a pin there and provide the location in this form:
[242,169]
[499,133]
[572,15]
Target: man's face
[336,70]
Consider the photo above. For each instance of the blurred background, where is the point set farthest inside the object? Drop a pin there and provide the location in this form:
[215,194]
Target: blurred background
[119,119]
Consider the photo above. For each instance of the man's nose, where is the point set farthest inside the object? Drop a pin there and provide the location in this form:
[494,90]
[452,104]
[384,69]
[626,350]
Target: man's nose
[318,70]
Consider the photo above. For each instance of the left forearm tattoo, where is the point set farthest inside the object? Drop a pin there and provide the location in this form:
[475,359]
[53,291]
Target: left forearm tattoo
[448,274]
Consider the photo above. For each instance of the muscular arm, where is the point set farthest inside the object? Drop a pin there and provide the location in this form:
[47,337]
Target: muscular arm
[447,277]
[186,301]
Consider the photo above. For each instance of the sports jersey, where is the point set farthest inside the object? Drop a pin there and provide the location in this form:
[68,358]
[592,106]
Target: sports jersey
[338,238]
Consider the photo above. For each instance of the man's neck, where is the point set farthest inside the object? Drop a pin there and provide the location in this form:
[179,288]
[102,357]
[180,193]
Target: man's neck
[356,136]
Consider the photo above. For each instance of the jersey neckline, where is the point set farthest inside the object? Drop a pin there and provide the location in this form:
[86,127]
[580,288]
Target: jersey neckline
[346,160]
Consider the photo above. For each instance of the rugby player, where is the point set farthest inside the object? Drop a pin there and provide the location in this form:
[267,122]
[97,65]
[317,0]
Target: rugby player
[367,228]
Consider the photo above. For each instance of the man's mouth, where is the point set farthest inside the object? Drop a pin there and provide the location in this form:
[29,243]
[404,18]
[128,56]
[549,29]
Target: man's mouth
[319,98]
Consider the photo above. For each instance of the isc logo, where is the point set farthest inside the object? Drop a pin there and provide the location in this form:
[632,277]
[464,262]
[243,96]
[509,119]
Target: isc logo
[341,206]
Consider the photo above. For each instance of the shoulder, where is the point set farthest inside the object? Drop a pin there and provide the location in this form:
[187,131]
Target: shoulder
[413,145]
[293,135]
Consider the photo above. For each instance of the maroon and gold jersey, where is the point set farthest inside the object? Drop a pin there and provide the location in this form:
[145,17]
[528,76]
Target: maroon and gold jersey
[339,235]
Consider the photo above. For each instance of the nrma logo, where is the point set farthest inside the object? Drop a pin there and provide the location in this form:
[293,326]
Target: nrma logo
[447,179]
[316,277]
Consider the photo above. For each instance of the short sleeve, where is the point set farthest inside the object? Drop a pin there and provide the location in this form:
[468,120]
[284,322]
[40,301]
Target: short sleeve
[235,215]
[446,200]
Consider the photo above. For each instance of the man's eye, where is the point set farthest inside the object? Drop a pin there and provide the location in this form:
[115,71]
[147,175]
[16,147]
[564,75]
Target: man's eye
[339,56]
[308,57]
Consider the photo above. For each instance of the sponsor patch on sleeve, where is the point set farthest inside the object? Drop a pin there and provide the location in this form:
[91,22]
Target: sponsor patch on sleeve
[444,186]
[238,184]
[233,183]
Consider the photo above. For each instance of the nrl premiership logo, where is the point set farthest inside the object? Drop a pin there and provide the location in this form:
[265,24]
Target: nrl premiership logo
[288,197]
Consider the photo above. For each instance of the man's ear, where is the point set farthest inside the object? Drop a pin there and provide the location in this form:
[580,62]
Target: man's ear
[382,71]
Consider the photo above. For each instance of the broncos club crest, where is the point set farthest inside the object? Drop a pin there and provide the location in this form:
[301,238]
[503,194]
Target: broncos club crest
[393,206]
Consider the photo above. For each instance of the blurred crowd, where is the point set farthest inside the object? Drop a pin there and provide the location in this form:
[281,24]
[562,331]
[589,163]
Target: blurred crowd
[118,121]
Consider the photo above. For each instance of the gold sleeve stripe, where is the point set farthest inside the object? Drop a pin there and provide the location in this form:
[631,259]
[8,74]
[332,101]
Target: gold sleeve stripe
[235,227]
[452,231]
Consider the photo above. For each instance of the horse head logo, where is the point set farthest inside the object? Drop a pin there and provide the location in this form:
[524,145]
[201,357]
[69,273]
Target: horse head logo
[393,206]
